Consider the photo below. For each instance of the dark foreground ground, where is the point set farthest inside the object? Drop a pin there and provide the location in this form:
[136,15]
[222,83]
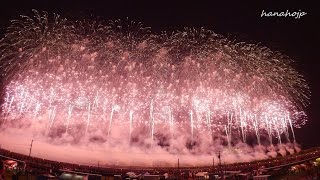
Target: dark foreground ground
[302,165]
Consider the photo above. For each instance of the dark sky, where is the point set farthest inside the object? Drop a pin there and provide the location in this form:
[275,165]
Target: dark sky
[297,38]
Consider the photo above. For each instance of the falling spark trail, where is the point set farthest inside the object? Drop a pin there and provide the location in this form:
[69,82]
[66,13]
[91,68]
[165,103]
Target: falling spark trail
[228,128]
[10,104]
[95,102]
[256,128]
[285,127]
[191,123]
[269,129]
[277,130]
[171,121]
[151,119]
[69,118]
[88,117]
[131,124]
[110,120]
[242,117]
[292,131]
[104,109]
[208,117]
[52,115]
[36,110]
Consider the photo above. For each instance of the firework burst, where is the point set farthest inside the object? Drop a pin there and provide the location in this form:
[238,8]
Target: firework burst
[118,78]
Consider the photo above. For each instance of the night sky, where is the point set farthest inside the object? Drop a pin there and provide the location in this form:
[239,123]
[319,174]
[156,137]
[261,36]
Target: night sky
[297,38]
